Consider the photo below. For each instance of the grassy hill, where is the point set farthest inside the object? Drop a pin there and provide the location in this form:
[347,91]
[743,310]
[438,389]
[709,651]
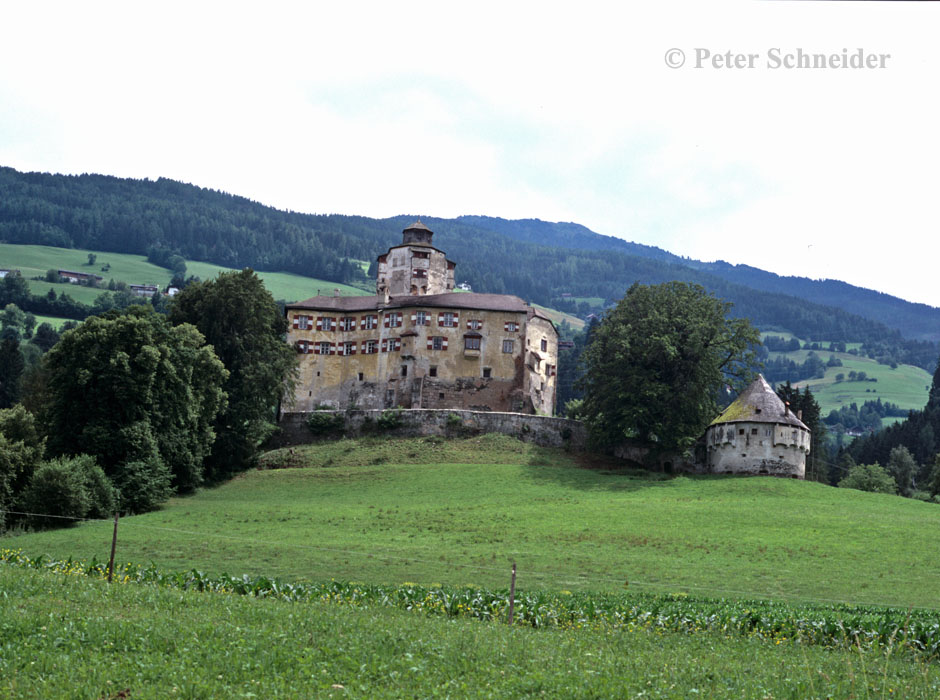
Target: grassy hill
[906,385]
[33,260]
[457,512]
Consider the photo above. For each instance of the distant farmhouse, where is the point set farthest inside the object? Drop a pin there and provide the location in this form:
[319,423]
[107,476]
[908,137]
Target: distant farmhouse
[77,277]
[417,343]
[757,434]
[144,290]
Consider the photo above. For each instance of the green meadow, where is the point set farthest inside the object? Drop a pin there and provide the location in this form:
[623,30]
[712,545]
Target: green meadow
[426,510]
[906,385]
[559,316]
[73,637]
[34,260]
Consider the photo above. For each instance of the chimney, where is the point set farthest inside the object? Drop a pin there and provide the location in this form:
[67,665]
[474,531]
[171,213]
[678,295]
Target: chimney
[786,408]
[799,414]
[335,291]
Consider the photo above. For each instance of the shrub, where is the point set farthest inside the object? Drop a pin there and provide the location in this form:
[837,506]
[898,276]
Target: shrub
[56,489]
[103,498]
[320,423]
[869,477]
[454,421]
[143,485]
[390,419]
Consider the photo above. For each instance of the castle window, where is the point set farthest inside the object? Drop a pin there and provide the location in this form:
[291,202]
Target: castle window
[360,376]
[370,347]
[393,319]
[349,348]
[544,345]
[421,318]
[740,431]
[347,323]
[371,321]
[437,343]
[404,370]
[419,273]
[325,348]
[447,319]
[487,372]
[753,431]
[471,342]
[474,324]
[432,372]
[511,326]
[326,323]
[304,323]
[508,345]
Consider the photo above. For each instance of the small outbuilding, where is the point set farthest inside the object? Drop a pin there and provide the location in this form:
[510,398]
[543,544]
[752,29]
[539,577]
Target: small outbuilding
[757,434]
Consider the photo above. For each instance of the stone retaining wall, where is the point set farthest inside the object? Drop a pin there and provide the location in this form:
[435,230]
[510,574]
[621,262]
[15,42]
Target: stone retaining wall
[540,430]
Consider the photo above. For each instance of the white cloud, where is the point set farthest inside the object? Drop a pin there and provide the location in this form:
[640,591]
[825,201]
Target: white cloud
[522,110]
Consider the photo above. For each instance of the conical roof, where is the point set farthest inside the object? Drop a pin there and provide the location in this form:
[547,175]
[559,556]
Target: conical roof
[758,403]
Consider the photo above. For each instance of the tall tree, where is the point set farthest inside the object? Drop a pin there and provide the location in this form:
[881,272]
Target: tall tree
[807,408]
[11,372]
[137,393]
[657,361]
[240,319]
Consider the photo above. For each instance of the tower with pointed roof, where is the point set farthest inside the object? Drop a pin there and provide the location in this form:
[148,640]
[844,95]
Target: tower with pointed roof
[757,434]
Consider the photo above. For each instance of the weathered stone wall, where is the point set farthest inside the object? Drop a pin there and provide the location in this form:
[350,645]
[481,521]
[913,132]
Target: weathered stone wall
[539,430]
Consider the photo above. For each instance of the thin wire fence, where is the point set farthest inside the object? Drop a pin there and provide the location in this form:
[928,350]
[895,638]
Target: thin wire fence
[545,577]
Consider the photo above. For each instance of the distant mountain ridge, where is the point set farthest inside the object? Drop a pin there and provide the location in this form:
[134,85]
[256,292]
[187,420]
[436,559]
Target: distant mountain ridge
[539,261]
[913,320]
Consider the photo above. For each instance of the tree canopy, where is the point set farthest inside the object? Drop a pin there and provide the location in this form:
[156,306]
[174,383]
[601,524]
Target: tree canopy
[241,320]
[132,389]
[657,362]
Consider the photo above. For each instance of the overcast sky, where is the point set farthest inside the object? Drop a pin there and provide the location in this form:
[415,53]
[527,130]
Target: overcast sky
[562,112]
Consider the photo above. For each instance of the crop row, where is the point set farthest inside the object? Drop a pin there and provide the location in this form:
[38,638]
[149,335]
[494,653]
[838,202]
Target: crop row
[827,625]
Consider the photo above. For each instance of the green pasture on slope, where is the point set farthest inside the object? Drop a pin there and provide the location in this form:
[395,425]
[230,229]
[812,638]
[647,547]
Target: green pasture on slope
[68,637]
[282,285]
[35,260]
[558,316]
[385,510]
[906,385]
[54,321]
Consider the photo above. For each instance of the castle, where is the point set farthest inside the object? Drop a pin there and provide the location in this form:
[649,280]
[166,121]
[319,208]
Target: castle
[417,343]
[757,434]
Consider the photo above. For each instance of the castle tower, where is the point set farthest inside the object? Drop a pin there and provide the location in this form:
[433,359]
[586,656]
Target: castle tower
[758,434]
[415,267]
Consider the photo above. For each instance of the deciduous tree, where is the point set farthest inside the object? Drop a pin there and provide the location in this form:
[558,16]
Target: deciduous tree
[133,389]
[657,362]
[240,319]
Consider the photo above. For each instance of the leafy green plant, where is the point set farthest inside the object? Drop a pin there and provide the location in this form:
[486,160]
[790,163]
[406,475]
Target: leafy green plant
[322,424]
[390,419]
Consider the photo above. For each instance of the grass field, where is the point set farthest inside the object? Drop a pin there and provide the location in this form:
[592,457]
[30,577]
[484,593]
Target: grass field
[558,316]
[907,386]
[54,321]
[68,637]
[33,260]
[457,512]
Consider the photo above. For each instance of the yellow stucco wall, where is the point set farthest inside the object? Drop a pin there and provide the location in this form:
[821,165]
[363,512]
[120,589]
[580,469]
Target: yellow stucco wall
[461,380]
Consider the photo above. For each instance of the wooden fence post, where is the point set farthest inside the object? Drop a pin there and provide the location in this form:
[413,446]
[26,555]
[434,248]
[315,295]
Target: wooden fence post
[512,594]
[113,547]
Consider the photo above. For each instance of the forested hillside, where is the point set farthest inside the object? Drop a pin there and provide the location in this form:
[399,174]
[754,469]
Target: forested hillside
[536,260]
